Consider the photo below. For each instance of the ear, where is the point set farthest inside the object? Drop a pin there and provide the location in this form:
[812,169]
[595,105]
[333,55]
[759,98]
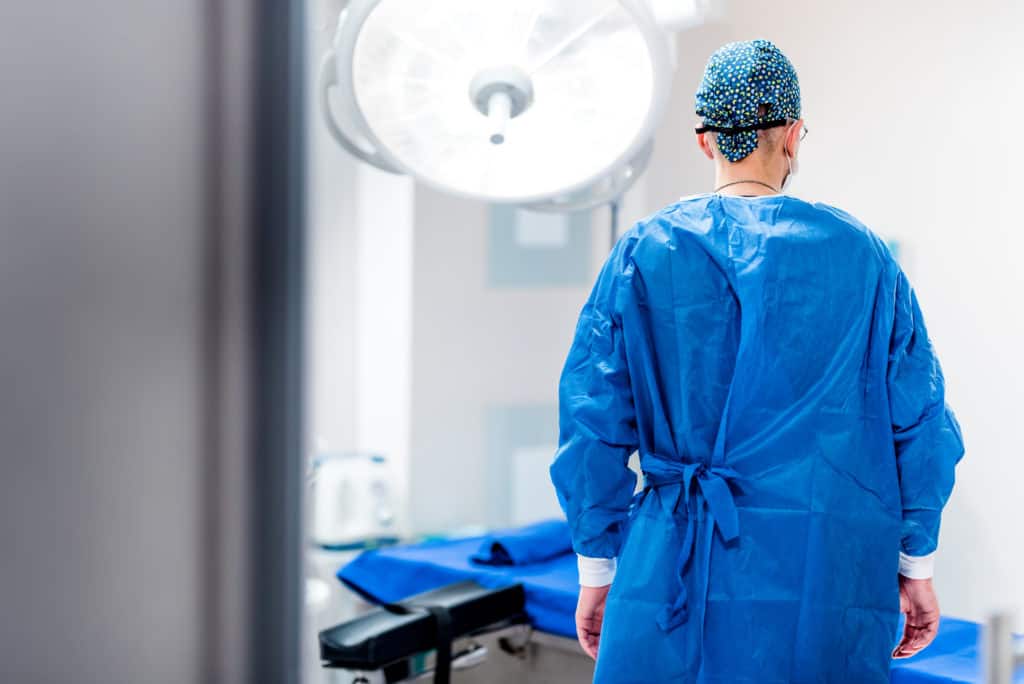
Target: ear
[704,143]
[793,138]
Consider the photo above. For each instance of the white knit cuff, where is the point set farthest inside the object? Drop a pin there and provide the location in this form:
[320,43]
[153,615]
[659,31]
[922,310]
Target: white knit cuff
[917,567]
[595,572]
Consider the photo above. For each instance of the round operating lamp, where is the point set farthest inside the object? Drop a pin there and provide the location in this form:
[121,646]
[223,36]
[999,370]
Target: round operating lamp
[548,103]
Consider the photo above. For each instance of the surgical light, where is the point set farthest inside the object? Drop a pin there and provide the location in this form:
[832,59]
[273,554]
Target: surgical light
[548,103]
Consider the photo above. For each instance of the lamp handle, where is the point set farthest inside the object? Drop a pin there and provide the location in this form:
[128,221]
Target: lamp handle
[329,79]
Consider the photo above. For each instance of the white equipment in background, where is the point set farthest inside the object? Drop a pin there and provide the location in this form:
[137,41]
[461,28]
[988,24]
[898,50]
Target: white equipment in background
[1002,653]
[550,104]
[353,501]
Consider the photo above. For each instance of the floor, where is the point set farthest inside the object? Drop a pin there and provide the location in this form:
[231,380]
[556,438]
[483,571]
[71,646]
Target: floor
[328,602]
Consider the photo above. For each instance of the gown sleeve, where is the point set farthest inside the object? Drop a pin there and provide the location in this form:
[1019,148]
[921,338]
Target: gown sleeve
[925,431]
[597,421]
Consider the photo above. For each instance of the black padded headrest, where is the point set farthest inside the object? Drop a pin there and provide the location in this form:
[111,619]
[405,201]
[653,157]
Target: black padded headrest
[380,636]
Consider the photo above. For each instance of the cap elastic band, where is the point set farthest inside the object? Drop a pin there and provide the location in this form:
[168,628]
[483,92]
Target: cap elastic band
[740,129]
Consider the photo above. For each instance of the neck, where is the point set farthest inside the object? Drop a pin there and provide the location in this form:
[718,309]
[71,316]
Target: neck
[747,177]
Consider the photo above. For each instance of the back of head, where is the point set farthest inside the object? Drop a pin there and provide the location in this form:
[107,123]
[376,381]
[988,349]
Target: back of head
[748,92]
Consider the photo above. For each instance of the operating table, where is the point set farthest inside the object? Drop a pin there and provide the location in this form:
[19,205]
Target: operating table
[440,614]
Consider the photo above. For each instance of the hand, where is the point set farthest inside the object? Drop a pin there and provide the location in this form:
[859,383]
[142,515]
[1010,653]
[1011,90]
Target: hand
[921,608]
[589,616]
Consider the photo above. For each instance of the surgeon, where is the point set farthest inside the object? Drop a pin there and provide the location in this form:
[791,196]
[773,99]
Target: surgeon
[768,360]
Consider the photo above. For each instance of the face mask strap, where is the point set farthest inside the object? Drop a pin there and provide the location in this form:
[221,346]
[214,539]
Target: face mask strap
[789,163]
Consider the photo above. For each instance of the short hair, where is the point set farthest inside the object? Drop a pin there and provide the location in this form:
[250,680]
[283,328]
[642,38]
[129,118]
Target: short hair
[769,138]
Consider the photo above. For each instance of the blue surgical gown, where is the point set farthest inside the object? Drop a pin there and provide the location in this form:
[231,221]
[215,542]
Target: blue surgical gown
[768,360]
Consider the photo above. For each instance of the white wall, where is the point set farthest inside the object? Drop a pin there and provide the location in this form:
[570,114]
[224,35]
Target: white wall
[472,346]
[475,347]
[914,115]
[359,278]
[331,260]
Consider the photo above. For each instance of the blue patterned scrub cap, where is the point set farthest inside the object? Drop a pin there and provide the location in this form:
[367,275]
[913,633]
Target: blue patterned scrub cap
[739,78]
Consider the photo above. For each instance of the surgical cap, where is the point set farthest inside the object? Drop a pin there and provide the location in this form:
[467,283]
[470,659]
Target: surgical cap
[738,79]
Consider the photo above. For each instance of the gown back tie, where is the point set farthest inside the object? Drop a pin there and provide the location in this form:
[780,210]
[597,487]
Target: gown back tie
[693,485]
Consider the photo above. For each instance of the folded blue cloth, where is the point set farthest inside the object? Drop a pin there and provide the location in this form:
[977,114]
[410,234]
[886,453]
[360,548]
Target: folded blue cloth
[524,545]
[394,573]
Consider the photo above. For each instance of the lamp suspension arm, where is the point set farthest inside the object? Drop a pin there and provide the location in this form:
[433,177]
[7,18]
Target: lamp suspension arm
[613,210]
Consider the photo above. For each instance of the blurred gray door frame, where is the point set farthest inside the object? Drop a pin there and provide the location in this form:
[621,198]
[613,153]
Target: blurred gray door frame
[151,230]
